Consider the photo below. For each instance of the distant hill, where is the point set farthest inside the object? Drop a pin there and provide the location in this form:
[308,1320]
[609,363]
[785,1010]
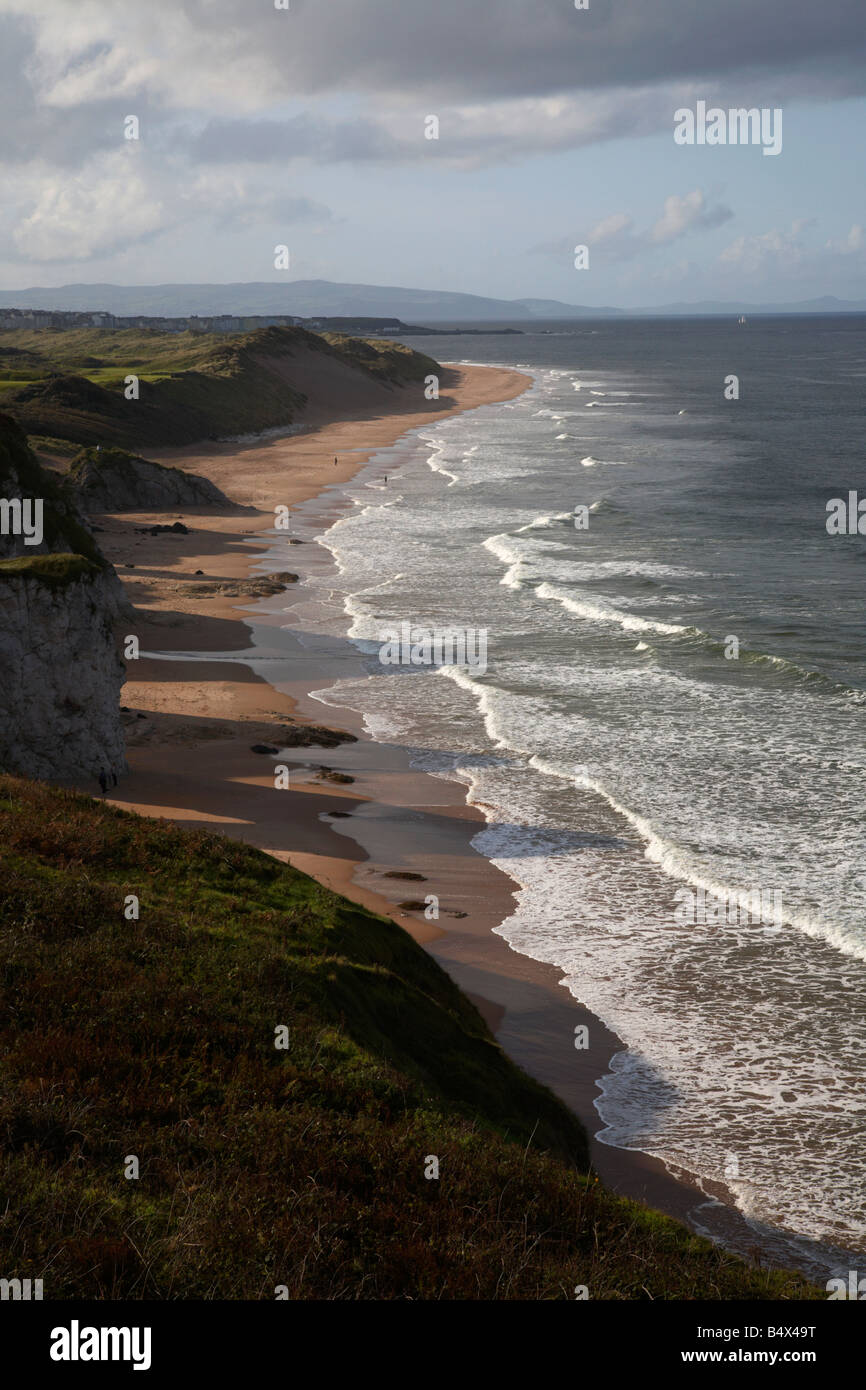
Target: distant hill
[328,300]
[321,299]
[556,309]
[304,298]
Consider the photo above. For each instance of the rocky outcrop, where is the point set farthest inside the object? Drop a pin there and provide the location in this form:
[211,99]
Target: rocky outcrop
[111,480]
[60,672]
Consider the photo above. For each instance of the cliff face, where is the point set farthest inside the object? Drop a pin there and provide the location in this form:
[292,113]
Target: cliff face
[60,673]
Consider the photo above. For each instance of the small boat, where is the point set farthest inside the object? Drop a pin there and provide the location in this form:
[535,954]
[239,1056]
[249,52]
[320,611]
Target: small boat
[742,319]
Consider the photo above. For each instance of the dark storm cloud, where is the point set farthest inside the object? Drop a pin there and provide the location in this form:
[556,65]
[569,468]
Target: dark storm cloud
[471,50]
[271,141]
[617,65]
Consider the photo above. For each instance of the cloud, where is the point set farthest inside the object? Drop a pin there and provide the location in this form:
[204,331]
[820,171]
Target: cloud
[469,135]
[615,238]
[686,214]
[770,251]
[75,218]
[506,77]
[853,243]
[505,48]
[781,251]
[304,136]
[118,201]
[235,97]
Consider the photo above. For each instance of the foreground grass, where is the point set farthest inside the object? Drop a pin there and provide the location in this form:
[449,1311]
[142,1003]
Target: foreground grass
[260,1167]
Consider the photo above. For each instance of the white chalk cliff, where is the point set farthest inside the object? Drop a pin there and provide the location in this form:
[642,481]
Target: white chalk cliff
[60,671]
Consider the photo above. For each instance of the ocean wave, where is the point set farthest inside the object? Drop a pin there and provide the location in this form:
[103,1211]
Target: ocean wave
[675,860]
[541,522]
[690,778]
[606,613]
[679,863]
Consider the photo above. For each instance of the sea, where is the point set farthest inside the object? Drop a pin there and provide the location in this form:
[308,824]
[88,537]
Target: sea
[667,739]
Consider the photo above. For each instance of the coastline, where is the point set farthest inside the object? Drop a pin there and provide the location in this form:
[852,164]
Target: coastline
[191,760]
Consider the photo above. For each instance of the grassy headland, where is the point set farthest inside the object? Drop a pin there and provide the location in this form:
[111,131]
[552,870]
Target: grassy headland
[263,1167]
[68,385]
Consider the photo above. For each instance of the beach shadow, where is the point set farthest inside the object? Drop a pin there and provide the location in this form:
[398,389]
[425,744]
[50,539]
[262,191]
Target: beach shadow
[170,630]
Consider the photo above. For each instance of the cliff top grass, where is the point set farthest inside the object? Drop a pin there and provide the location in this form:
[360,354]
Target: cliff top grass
[106,356]
[259,1166]
[53,572]
[21,475]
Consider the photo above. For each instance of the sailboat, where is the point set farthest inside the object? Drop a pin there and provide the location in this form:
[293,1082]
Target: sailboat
[742,319]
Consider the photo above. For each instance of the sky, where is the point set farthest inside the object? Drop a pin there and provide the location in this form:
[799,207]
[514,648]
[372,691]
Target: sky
[307,126]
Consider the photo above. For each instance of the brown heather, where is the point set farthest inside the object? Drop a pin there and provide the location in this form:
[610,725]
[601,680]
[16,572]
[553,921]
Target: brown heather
[262,1167]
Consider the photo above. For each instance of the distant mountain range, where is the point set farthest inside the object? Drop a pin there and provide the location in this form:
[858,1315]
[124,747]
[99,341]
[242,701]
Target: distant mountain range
[328,298]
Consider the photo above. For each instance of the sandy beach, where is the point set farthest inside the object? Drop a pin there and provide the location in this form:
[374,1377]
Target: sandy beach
[386,835]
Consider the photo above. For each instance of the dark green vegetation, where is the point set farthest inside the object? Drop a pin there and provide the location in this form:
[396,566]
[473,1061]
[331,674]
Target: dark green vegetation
[52,571]
[69,385]
[263,1167]
[22,476]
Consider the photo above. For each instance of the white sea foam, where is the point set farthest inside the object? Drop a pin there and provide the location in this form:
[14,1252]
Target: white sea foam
[542,522]
[597,612]
[705,782]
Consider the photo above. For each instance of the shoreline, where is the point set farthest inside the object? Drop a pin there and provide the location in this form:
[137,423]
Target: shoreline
[191,760]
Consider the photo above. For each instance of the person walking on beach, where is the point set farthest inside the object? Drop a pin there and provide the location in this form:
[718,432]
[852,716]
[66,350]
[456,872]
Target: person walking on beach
[103,781]
[335,461]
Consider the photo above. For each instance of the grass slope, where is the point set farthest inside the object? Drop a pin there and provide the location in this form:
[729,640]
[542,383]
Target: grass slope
[69,384]
[262,1167]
